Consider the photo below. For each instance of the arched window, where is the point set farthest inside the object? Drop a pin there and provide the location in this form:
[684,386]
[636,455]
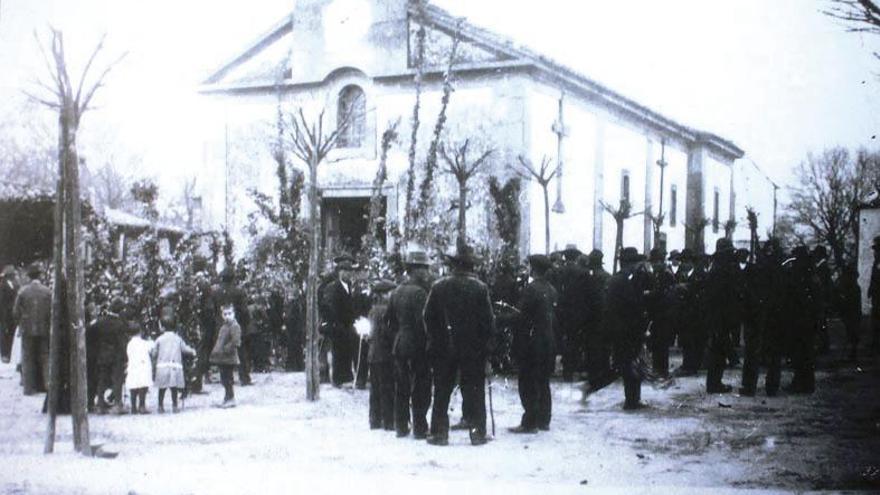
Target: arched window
[351,120]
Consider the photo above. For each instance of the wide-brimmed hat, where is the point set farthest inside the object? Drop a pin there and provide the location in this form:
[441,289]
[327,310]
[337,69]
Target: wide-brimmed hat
[658,255]
[383,285]
[417,258]
[463,256]
[571,252]
[723,244]
[540,262]
[742,254]
[675,255]
[344,261]
[800,251]
[595,257]
[819,251]
[687,255]
[631,255]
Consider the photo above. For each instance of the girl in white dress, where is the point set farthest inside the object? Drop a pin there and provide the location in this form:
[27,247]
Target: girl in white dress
[139,375]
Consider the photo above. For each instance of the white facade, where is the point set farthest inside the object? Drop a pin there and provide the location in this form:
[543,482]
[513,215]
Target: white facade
[506,98]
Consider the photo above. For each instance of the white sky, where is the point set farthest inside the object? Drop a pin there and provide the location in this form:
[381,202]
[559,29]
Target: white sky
[776,77]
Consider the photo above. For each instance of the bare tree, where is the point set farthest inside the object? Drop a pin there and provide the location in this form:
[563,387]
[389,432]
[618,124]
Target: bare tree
[70,100]
[111,186]
[542,175]
[621,214]
[311,143]
[862,16]
[463,169]
[829,187]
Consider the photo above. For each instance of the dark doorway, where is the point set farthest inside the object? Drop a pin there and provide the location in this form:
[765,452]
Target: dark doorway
[344,223]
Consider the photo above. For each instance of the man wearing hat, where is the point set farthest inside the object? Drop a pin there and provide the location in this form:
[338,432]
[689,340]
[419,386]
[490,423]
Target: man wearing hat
[803,313]
[206,313]
[227,293]
[8,291]
[570,283]
[534,347]
[406,326]
[689,324]
[660,312]
[459,324]
[874,296]
[627,321]
[724,304]
[33,312]
[598,342]
[336,307]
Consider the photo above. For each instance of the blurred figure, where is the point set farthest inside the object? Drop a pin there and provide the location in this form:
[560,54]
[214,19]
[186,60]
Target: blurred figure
[849,306]
[33,313]
[8,291]
[381,364]
[874,296]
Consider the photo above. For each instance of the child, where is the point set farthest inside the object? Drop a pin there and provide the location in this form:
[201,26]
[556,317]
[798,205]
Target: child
[139,376]
[169,351]
[225,353]
[381,364]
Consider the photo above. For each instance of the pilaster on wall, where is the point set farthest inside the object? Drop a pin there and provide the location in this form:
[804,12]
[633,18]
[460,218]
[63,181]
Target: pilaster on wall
[694,205]
[598,183]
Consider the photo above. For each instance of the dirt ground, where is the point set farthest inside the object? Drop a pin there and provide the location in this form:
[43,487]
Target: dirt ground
[277,442]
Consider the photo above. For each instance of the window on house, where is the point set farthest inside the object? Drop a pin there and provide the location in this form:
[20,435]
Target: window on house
[715,212]
[673,206]
[351,117]
[624,187]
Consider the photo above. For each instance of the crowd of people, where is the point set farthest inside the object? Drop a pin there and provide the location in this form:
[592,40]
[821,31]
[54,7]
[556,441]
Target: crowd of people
[428,336]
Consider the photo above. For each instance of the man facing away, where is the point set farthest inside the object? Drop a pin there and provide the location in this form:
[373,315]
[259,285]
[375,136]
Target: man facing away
[33,312]
[459,323]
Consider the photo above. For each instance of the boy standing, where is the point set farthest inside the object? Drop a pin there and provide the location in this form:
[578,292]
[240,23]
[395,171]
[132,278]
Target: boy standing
[225,353]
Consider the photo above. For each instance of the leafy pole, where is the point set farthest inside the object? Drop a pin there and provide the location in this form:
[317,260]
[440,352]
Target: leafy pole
[697,231]
[458,165]
[426,188]
[411,169]
[753,232]
[542,175]
[729,228]
[311,145]
[506,200]
[620,214]
[388,138]
[71,101]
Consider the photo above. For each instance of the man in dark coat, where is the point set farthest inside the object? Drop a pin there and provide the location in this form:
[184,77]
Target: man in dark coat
[803,315]
[660,312]
[849,307]
[755,279]
[8,291]
[824,294]
[775,315]
[459,323]
[33,312]
[627,321]
[294,323]
[336,307]
[207,318]
[570,283]
[224,294]
[874,297]
[689,324]
[534,347]
[406,326]
[111,337]
[723,305]
[598,341]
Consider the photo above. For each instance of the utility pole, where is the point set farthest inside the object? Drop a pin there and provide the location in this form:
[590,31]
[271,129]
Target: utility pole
[658,220]
[561,132]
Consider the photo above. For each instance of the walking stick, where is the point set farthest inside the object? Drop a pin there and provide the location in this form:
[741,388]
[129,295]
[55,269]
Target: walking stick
[357,368]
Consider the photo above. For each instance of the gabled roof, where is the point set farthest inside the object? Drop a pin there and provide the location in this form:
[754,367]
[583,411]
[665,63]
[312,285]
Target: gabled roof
[514,55]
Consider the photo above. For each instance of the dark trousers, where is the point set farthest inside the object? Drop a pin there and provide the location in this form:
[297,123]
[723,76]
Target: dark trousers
[413,380]
[572,349]
[473,394]
[803,358]
[7,335]
[203,354]
[598,350]
[226,378]
[692,340]
[853,324]
[295,343]
[245,351]
[875,327]
[632,381]
[751,355]
[534,391]
[109,375]
[341,346]
[661,339]
[34,364]
[381,395]
[719,350]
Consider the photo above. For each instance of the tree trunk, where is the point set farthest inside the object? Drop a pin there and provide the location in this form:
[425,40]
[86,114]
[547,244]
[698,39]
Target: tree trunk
[57,294]
[546,220]
[74,276]
[312,370]
[618,243]
[462,211]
